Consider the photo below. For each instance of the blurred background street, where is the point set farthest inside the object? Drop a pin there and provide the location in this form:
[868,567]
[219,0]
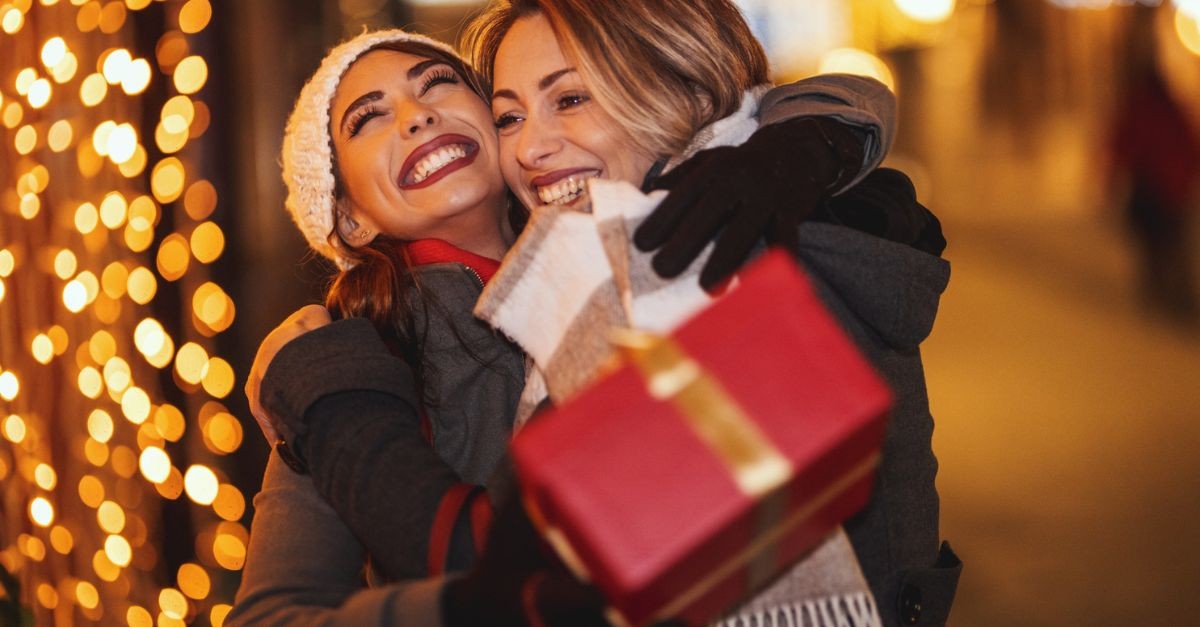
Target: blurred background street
[1063,368]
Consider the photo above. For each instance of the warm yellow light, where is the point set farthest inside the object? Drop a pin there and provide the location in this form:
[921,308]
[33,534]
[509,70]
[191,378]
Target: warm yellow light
[100,426]
[14,429]
[191,74]
[30,206]
[149,336]
[117,550]
[90,382]
[41,512]
[117,375]
[122,142]
[42,348]
[229,551]
[95,452]
[167,180]
[200,200]
[60,135]
[172,488]
[64,264]
[102,346]
[230,504]
[927,11]
[172,47]
[65,69]
[100,137]
[45,477]
[10,386]
[111,517]
[7,262]
[124,461]
[113,210]
[12,19]
[58,336]
[173,256]
[61,539]
[47,596]
[135,165]
[193,581]
[168,141]
[53,51]
[137,5]
[116,63]
[224,432]
[39,93]
[173,603]
[87,595]
[143,213]
[24,80]
[194,16]
[218,377]
[136,77]
[105,569]
[138,616]
[115,279]
[142,285]
[169,422]
[201,484]
[31,546]
[13,113]
[860,62]
[1187,28]
[91,491]
[163,357]
[112,17]
[135,404]
[91,285]
[26,139]
[2,288]
[190,362]
[92,90]
[175,124]
[208,242]
[154,464]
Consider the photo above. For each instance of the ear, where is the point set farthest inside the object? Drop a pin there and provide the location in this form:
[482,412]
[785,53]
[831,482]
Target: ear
[352,230]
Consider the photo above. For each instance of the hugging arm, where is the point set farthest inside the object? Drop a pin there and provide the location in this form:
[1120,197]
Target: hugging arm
[348,410]
[817,137]
[304,567]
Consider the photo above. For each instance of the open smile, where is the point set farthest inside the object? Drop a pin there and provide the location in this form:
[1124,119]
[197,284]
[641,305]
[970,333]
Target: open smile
[563,187]
[435,159]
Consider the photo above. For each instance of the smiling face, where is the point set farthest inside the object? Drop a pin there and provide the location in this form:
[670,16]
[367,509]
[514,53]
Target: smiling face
[416,153]
[553,136]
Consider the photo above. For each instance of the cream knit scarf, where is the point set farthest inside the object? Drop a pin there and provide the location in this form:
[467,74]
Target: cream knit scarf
[572,276]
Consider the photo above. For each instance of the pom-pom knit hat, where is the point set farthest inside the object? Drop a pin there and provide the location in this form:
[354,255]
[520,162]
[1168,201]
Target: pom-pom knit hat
[308,147]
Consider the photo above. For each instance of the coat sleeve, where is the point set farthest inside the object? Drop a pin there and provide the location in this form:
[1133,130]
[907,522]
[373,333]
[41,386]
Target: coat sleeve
[861,102]
[348,409]
[304,567]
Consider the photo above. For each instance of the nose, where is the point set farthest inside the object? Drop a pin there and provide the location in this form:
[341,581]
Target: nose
[537,139]
[414,117]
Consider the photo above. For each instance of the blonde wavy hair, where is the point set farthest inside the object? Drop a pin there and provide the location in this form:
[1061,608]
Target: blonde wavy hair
[663,69]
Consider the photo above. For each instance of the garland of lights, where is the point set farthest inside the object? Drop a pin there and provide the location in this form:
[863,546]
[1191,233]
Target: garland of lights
[99,403]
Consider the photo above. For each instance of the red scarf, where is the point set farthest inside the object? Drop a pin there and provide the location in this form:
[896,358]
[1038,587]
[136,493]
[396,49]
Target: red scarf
[428,251]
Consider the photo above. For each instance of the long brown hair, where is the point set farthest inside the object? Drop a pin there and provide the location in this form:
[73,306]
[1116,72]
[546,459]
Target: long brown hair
[381,286]
[663,69]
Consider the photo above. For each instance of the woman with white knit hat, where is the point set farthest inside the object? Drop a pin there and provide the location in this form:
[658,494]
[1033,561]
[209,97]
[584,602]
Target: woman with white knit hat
[391,164]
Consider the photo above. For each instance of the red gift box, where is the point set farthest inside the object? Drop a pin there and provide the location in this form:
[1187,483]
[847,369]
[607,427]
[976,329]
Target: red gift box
[711,460]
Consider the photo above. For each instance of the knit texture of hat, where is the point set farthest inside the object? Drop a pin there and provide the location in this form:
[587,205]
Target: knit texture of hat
[308,148]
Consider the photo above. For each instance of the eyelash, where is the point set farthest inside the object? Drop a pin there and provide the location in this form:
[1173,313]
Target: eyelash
[361,117]
[437,77]
[566,101]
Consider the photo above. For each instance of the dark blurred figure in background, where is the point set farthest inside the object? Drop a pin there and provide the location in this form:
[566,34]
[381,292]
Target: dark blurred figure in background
[1156,157]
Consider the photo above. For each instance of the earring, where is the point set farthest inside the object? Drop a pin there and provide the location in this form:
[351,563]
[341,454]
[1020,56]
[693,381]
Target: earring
[364,235]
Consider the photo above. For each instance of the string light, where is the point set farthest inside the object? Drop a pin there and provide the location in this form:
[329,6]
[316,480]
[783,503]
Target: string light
[91,180]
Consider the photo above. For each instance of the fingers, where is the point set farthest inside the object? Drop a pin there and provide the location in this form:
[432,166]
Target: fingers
[734,244]
[666,218]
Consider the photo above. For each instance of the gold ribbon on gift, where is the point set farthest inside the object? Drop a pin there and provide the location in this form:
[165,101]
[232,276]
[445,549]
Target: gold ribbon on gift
[754,463]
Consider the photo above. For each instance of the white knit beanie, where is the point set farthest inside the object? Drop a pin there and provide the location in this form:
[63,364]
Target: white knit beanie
[308,148]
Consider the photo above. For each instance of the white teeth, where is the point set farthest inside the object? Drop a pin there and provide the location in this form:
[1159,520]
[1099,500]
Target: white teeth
[564,192]
[437,160]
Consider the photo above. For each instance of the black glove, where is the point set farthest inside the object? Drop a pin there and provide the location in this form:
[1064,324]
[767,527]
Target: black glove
[517,582]
[884,204]
[764,187]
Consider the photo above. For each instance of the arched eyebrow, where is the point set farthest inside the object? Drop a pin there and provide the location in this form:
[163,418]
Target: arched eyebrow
[542,85]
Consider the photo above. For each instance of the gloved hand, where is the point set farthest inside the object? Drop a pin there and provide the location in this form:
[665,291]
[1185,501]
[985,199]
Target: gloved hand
[764,187]
[518,582]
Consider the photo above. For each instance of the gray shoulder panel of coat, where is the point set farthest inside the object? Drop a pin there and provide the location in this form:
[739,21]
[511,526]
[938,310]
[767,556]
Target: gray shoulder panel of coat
[859,101]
